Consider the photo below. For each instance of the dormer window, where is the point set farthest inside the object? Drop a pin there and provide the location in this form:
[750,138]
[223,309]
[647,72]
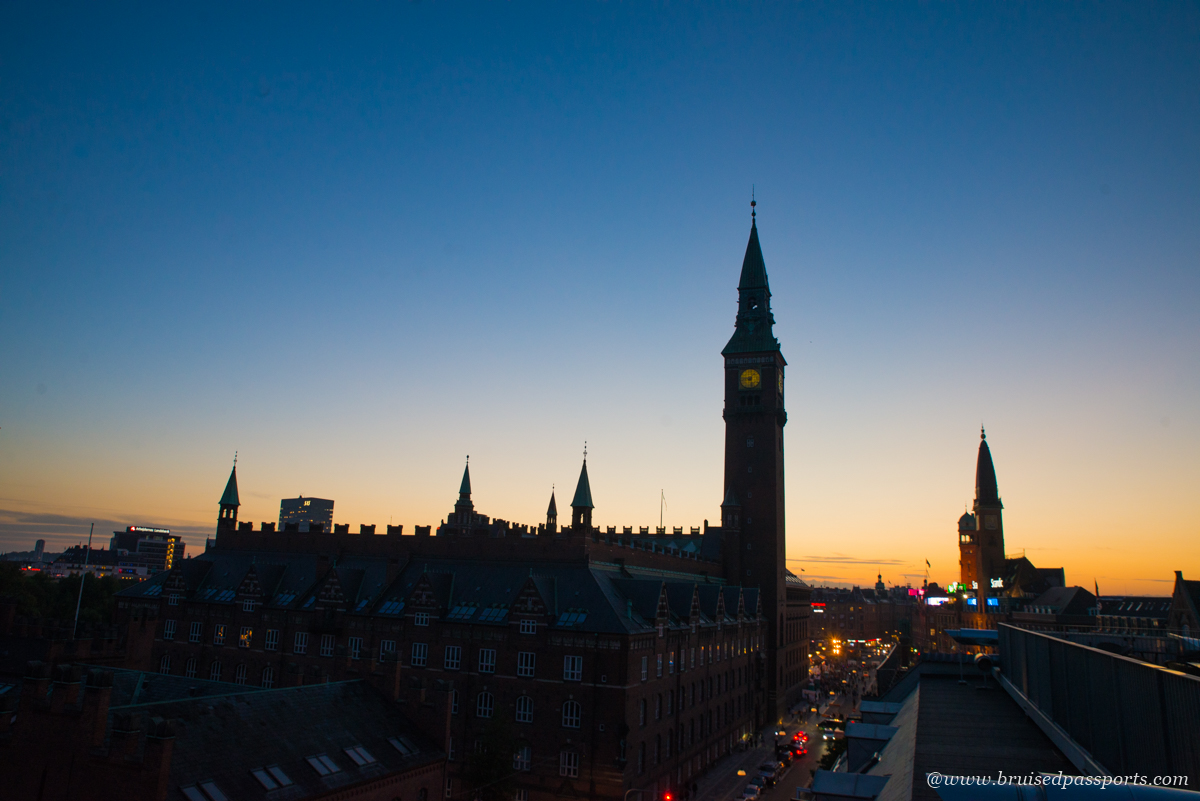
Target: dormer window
[248,605]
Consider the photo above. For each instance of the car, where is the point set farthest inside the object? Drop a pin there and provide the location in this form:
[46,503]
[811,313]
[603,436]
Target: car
[761,781]
[751,791]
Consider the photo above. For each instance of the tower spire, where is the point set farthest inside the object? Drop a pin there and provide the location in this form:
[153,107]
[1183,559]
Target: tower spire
[753,325]
[581,504]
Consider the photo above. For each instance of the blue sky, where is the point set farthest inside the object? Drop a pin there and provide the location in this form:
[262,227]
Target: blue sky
[358,244]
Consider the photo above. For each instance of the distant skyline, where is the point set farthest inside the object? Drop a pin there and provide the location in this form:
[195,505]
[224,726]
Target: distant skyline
[356,245]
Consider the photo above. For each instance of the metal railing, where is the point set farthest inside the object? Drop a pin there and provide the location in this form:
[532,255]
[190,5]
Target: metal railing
[1128,716]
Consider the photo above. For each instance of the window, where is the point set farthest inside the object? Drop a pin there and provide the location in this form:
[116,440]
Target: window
[571,714]
[326,645]
[641,760]
[323,765]
[355,644]
[693,658]
[454,702]
[387,647]
[524,709]
[205,791]
[671,663]
[239,675]
[573,668]
[164,665]
[645,668]
[360,755]
[244,637]
[452,657]
[670,703]
[658,707]
[420,654]
[248,605]
[168,629]
[487,660]
[526,660]
[272,642]
[528,626]
[403,745]
[268,677]
[658,670]
[219,634]
[421,619]
[214,672]
[450,750]
[196,632]
[568,764]
[301,644]
[271,778]
[485,704]
[189,669]
[523,758]
[521,795]
[173,599]
[642,712]
[449,787]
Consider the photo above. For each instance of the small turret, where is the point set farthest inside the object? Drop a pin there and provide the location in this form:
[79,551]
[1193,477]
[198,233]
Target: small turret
[227,517]
[464,509]
[552,513]
[581,504]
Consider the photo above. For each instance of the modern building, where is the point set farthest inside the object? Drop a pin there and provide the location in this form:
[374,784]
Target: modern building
[305,514]
[159,546]
[616,660]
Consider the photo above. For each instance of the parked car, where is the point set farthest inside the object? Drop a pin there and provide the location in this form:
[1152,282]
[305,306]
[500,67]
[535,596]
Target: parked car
[751,791]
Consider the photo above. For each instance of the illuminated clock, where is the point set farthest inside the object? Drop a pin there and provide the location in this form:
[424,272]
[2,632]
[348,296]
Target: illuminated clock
[750,379]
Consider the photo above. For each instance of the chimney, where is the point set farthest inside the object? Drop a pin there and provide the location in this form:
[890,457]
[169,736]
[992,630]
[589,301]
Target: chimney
[126,735]
[160,742]
[96,697]
[65,691]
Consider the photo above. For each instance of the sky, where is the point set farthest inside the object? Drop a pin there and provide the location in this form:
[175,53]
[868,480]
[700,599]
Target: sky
[355,244]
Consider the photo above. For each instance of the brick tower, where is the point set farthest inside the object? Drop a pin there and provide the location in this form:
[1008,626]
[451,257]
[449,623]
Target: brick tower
[754,420]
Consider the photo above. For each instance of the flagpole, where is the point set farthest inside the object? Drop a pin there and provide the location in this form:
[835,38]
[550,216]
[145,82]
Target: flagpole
[82,578]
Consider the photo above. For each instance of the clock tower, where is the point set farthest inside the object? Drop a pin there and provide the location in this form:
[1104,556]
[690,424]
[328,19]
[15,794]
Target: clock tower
[754,415]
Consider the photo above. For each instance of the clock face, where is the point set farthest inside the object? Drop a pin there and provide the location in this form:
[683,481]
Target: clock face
[750,379]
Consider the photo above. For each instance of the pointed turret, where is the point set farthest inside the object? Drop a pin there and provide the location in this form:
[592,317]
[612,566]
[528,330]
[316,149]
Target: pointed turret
[229,503]
[753,326]
[464,489]
[986,492]
[552,512]
[464,509]
[581,504]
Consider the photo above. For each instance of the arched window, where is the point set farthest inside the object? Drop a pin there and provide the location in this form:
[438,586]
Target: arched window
[268,677]
[239,675]
[657,748]
[641,758]
[642,712]
[164,665]
[214,672]
[485,704]
[571,715]
[189,669]
[524,709]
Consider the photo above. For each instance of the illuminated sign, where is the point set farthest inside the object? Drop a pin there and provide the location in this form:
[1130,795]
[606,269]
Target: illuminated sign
[935,601]
[993,601]
[998,583]
[146,530]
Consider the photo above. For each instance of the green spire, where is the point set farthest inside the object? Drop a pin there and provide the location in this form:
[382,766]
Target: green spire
[464,489]
[230,497]
[583,491]
[752,329]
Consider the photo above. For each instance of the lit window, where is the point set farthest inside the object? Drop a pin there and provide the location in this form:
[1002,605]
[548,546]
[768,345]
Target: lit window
[571,715]
[360,755]
[219,634]
[326,645]
[421,619]
[355,644]
[524,709]
[387,648]
[168,629]
[244,638]
[573,668]
[196,632]
[485,704]
[523,758]
[272,642]
[487,660]
[529,626]
[526,660]
[323,765]
[420,653]
[300,646]
[452,657]
[568,764]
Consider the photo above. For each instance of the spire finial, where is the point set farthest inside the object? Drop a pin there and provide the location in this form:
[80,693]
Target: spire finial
[235,458]
[982,433]
[752,203]
[585,450]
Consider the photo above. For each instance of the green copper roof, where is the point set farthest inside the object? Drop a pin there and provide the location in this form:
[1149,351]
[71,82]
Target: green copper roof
[753,327]
[583,491]
[465,487]
[230,497]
